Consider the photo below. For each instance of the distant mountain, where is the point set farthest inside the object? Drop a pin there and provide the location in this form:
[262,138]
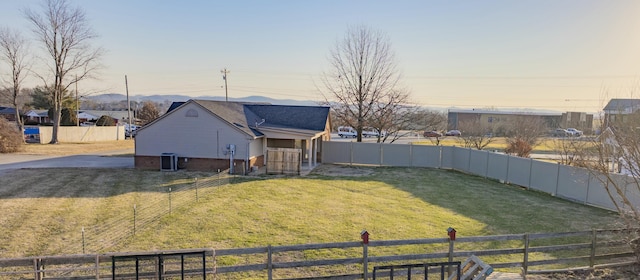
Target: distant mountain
[116,97]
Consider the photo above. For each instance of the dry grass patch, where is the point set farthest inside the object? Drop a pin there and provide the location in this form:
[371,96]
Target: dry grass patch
[78,148]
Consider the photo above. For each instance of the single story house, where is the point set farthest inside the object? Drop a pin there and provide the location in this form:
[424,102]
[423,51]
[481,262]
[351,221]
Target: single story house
[37,116]
[210,135]
[8,113]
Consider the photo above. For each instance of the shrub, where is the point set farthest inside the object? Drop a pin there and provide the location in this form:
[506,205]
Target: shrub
[11,139]
[519,147]
[105,121]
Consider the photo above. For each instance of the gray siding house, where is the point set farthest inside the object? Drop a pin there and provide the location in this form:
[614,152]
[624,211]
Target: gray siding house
[210,135]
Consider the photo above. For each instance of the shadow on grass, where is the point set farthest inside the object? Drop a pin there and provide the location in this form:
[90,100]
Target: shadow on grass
[90,182]
[505,209]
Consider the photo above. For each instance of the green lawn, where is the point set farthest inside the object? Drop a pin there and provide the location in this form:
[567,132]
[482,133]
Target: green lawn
[45,210]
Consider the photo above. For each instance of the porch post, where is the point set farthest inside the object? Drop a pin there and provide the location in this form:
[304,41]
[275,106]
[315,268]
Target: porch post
[309,152]
[264,151]
[315,151]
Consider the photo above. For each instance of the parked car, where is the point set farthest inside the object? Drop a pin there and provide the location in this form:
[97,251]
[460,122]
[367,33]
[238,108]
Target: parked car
[432,133]
[369,132]
[561,132]
[453,133]
[346,132]
[575,132]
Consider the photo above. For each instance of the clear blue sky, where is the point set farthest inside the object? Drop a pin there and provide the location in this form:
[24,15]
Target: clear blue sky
[543,54]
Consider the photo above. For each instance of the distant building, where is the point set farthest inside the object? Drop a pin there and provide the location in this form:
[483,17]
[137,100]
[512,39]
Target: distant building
[8,113]
[620,110]
[579,120]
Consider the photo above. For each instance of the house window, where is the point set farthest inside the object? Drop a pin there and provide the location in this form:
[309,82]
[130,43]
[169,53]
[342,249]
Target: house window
[192,113]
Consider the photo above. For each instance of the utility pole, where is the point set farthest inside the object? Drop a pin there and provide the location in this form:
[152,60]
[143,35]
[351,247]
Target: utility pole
[224,77]
[77,104]
[126,85]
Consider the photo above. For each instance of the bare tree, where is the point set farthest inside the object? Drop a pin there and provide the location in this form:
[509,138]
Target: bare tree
[14,51]
[571,150]
[65,35]
[363,82]
[390,116]
[148,113]
[476,134]
[524,132]
[428,120]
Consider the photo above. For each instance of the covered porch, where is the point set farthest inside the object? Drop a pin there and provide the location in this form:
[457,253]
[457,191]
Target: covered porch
[310,142]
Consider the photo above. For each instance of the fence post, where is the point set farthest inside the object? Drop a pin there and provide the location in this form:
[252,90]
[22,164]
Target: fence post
[469,161]
[169,201]
[592,256]
[486,166]
[381,154]
[525,262]
[350,153]
[586,200]
[557,180]
[450,256]
[269,263]
[195,183]
[506,179]
[365,254]
[97,267]
[411,153]
[530,170]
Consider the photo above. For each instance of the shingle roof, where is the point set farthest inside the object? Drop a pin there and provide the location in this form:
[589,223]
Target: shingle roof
[301,117]
[622,104]
[7,110]
[249,117]
[232,112]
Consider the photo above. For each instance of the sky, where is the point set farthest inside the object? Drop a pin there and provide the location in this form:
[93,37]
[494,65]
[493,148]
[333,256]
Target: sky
[555,55]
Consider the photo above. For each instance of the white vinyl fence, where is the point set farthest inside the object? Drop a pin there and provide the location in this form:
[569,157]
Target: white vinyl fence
[568,182]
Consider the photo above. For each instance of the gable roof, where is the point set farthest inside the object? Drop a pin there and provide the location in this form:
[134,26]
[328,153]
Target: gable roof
[622,104]
[301,117]
[249,117]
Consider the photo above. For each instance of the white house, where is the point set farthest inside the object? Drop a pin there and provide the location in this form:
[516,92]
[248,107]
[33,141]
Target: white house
[210,135]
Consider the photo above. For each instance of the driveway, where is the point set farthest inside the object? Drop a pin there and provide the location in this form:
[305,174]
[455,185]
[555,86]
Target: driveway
[92,160]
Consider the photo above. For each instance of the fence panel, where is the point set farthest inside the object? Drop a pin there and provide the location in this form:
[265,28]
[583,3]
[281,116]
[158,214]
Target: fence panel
[366,153]
[544,176]
[461,157]
[425,156]
[478,162]
[632,193]
[336,152]
[396,155]
[519,171]
[446,157]
[572,183]
[497,166]
[568,182]
[598,192]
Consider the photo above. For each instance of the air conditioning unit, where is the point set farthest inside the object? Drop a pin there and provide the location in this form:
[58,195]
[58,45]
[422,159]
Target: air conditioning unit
[168,162]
